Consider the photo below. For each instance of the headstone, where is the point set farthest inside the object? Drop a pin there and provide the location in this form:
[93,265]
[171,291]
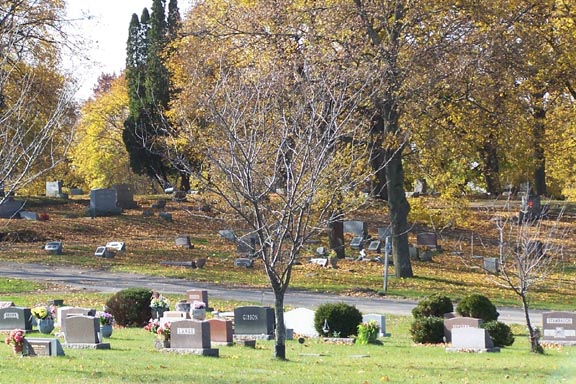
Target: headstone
[246,245]
[171,316]
[228,235]
[166,216]
[254,321]
[10,208]
[54,189]
[420,186]
[459,322]
[29,215]
[380,321]
[559,327]
[197,295]
[321,261]
[15,317]
[83,332]
[374,246]
[357,228]
[119,246]
[301,321]
[383,233]
[357,243]
[427,239]
[183,241]
[221,332]
[491,265]
[43,347]
[472,340]
[104,202]
[76,191]
[54,247]
[102,251]
[244,262]
[125,196]
[191,336]
[161,204]
[62,314]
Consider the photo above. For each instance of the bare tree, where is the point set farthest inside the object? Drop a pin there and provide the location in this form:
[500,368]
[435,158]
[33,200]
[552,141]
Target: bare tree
[528,253]
[36,102]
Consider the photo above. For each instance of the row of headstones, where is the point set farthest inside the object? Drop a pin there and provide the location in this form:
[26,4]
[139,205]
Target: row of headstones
[465,333]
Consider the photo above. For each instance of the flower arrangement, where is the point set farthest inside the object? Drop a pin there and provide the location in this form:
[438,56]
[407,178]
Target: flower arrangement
[198,305]
[367,332]
[43,312]
[105,318]
[157,329]
[16,337]
[159,302]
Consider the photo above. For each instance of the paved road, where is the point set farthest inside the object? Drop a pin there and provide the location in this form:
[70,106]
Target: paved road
[104,281]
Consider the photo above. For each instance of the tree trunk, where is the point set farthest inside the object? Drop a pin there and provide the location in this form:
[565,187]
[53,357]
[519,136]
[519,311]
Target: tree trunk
[336,237]
[535,346]
[538,136]
[280,335]
[491,167]
[184,181]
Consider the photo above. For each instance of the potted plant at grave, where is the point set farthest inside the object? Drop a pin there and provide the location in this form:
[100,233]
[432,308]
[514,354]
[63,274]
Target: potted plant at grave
[158,304]
[199,310]
[106,321]
[16,339]
[44,318]
[162,333]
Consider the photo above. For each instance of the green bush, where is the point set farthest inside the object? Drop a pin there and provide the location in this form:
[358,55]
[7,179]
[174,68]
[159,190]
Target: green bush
[342,319]
[477,306]
[130,307]
[500,333]
[433,306]
[428,330]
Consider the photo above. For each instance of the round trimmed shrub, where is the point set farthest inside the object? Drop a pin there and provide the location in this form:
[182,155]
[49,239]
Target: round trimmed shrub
[477,306]
[428,330]
[343,319]
[130,307]
[434,305]
[500,333]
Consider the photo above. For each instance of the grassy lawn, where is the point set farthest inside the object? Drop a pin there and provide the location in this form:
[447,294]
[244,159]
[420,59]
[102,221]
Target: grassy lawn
[133,359]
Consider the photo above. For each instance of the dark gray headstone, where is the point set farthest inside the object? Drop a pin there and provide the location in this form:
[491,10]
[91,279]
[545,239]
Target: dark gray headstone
[165,215]
[427,239]
[10,208]
[76,191]
[44,347]
[190,334]
[357,228]
[161,204]
[559,327]
[15,317]
[104,202]
[253,320]
[459,322]
[125,196]
[82,330]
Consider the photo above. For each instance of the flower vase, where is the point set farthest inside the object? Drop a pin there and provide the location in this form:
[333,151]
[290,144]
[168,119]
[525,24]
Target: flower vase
[45,326]
[162,342]
[105,330]
[199,314]
[18,348]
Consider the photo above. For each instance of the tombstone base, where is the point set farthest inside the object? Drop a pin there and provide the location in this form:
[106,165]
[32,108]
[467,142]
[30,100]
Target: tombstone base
[239,337]
[558,342]
[214,352]
[222,343]
[475,350]
[339,340]
[87,346]
[250,343]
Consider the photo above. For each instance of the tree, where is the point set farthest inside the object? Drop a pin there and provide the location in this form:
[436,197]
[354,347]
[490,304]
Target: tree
[36,106]
[529,252]
[275,115]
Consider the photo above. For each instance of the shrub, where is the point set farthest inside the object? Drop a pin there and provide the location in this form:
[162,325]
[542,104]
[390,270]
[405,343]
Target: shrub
[130,307]
[500,333]
[428,330]
[342,319]
[477,306]
[434,305]
[367,333]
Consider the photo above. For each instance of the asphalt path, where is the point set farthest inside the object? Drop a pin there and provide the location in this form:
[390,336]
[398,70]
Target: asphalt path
[110,282]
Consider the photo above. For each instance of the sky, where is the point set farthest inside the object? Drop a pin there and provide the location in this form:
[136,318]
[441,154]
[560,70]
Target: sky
[103,24]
